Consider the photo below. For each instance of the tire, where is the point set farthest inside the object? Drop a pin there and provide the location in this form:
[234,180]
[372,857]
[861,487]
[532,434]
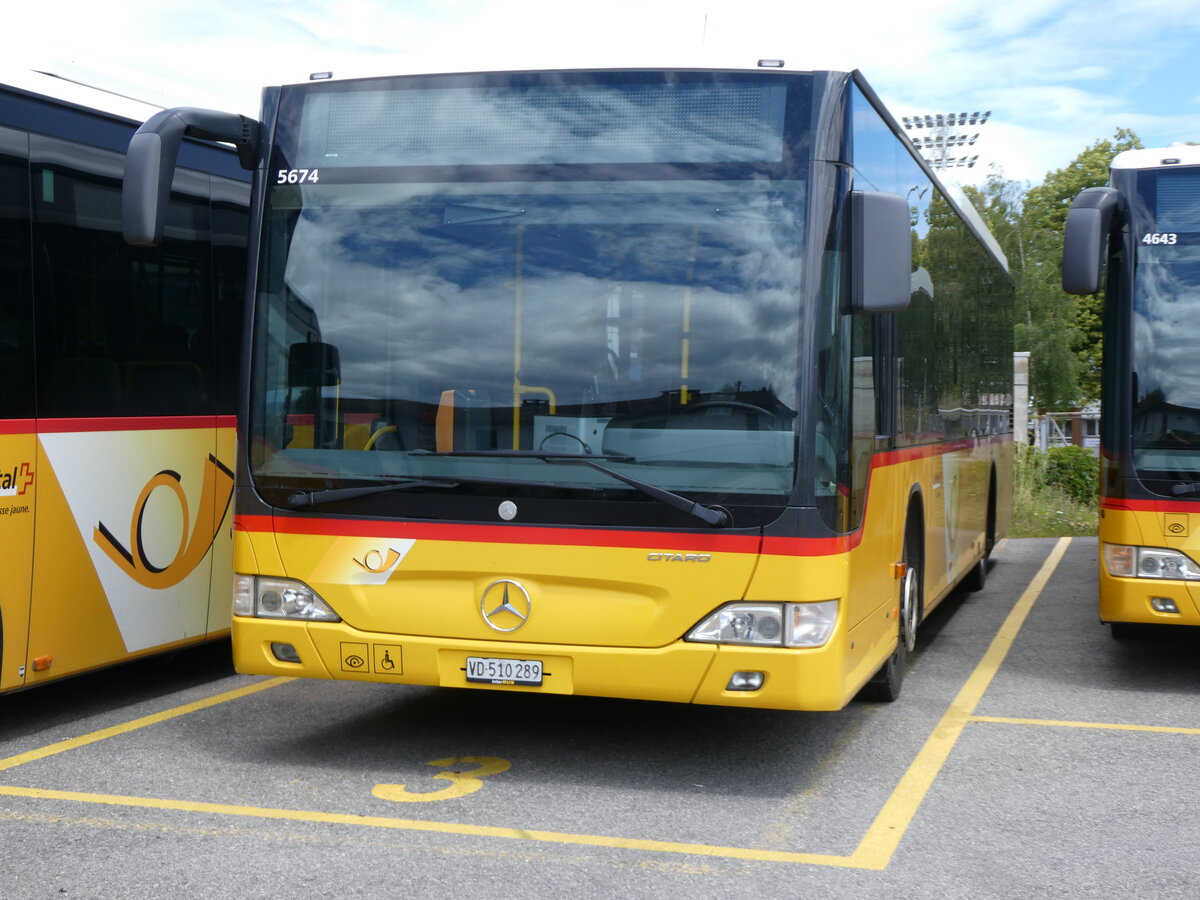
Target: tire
[1122,631]
[976,579]
[885,686]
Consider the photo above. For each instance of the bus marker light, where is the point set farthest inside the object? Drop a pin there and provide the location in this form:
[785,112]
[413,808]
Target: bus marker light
[899,570]
[745,681]
[1163,605]
[285,653]
[42,663]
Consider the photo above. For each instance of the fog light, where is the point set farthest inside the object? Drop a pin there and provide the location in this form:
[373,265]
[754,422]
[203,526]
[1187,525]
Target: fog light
[1163,604]
[285,653]
[745,681]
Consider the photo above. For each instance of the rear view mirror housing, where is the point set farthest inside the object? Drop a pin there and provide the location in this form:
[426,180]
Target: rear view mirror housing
[151,157]
[1092,218]
[881,252]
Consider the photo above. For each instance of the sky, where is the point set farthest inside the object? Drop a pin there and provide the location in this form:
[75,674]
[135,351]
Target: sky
[1057,75]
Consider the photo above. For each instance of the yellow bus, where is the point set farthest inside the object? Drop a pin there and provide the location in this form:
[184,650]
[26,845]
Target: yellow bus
[675,384]
[118,389]
[1144,229]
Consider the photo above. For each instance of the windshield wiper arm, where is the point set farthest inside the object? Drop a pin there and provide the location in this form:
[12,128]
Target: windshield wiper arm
[1191,488]
[330,495]
[527,454]
[710,515]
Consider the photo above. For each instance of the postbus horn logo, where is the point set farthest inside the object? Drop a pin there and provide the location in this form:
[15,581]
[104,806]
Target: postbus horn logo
[214,500]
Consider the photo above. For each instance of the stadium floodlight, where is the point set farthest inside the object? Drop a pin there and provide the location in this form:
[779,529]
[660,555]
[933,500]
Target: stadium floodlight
[937,133]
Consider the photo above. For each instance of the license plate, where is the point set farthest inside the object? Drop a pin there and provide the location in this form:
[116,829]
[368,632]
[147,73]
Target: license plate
[495,670]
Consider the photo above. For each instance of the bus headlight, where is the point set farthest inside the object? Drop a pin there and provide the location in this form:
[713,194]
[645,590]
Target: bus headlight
[768,624]
[1124,561]
[279,598]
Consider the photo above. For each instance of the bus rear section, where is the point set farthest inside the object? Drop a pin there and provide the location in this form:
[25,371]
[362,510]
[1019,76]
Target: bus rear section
[117,426]
[1138,239]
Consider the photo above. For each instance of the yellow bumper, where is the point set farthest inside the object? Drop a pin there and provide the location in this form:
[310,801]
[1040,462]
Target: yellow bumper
[682,672]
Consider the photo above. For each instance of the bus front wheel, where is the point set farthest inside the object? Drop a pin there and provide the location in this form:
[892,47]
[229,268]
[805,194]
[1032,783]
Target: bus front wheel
[885,686]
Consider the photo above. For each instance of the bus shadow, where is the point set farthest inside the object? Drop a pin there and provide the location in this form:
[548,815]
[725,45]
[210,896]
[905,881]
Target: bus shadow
[126,685]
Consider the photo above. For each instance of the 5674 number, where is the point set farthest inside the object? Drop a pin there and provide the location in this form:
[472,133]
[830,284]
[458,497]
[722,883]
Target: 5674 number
[1161,237]
[298,176]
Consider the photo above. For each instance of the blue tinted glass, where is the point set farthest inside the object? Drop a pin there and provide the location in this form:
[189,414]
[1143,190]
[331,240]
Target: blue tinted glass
[638,123]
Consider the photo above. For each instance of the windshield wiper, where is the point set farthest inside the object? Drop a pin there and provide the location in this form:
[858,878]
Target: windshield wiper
[710,515]
[1192,488]
[330,495]
[526,454]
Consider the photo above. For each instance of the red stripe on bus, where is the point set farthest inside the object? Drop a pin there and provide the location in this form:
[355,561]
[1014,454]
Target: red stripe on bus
[500,534]
[134,423]
[928,451]
[589,537]
[18,426]
[1127,505]
[560,537]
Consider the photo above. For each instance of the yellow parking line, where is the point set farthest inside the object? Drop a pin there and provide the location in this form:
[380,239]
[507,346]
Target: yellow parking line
[873,852]
[1104,726]
[876,849]
[70,744]
[328,818]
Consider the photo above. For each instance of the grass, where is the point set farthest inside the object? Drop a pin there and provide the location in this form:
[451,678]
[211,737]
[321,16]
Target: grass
[1042,508]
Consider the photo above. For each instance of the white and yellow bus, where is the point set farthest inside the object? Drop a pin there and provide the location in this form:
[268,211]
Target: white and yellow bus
[1143,232]
[118,382]
[674,384]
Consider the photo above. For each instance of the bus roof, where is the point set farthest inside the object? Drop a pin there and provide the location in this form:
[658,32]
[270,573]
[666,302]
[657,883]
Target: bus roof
[573,60]
[69,88]
[1155,157]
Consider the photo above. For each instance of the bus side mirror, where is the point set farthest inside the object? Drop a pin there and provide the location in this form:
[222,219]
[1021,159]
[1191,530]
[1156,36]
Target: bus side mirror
[150,163]
[314,365]
[1090,221]
[881,252]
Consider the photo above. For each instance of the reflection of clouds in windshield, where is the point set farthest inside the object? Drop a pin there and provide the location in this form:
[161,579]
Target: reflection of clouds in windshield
[416,307]
[553,124]
[1166,324]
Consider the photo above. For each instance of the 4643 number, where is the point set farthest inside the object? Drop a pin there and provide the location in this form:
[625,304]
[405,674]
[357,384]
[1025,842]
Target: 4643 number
[1167,237]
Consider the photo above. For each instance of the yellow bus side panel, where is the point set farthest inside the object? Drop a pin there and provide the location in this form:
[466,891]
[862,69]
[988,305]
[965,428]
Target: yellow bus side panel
[70,620]
[18,492]
[220,557]
[123,555]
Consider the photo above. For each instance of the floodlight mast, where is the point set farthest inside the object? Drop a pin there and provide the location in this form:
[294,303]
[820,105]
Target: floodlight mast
[936,136]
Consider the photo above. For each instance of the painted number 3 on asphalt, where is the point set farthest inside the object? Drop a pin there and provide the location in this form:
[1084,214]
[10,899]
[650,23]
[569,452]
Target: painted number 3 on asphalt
[462,781]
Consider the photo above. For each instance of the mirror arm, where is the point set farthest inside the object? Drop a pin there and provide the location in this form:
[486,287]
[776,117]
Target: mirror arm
[151,158]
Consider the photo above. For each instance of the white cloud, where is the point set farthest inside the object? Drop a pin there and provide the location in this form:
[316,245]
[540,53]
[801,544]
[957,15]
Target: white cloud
[1057,73]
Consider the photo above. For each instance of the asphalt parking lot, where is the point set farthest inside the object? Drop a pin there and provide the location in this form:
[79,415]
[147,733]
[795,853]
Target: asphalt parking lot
[1030,755]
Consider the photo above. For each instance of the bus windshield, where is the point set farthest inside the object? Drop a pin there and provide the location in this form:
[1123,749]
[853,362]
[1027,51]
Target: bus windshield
[1166,320]
[470,306]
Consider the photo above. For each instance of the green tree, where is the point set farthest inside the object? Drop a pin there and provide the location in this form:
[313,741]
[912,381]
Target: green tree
[1075,321]
[1043,315]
